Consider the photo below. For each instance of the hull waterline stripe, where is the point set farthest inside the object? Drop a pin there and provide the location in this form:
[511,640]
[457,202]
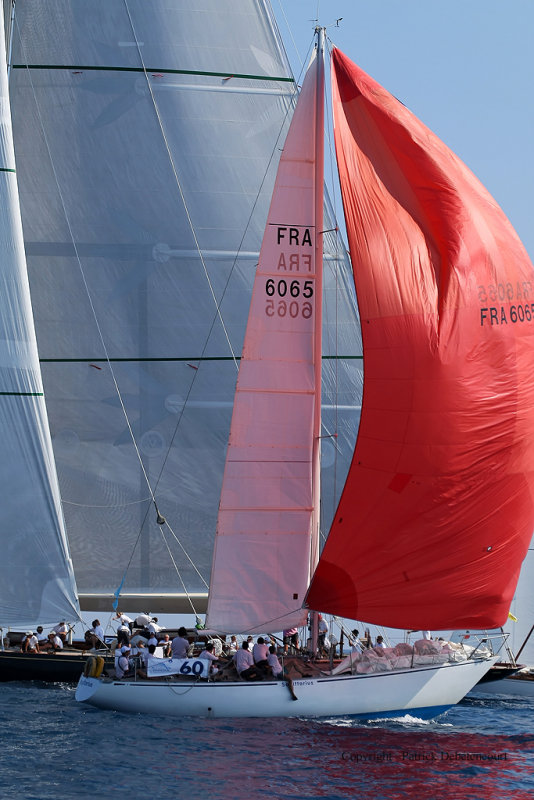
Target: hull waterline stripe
[158,71]
[6,169]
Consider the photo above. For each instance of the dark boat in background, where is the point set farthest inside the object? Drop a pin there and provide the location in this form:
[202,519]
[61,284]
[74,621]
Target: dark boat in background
[64,667]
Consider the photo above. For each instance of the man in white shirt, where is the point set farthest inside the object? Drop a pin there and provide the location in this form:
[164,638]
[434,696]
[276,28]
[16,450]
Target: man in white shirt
[41,635]
[122,668]
[209,655]
[279,672]
[95,636]
[142,620]
[153,626]
[165,644]
[54,641]
[123,634]
[244,664]
[354,642]
[30,643]
[146,656]
[322,630]
[61,630]
[274,663]
[124,619]
[260,653]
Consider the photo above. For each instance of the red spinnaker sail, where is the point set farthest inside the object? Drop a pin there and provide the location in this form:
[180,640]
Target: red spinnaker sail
[437,512]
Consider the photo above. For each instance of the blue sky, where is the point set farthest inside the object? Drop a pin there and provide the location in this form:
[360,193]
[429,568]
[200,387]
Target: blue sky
[464,67]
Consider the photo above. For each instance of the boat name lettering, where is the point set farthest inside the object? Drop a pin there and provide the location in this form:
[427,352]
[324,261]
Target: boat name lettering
[502,292]
[295,235]
[303,683]
[499,315]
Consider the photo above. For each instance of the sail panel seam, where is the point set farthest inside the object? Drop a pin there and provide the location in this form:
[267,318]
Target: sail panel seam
[177,359]
[201,73]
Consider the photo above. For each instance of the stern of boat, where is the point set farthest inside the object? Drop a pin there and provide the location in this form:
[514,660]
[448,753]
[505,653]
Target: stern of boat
[86,689]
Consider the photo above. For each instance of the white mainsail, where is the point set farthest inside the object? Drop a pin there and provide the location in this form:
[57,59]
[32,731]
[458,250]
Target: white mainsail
[148,137]
[38,581]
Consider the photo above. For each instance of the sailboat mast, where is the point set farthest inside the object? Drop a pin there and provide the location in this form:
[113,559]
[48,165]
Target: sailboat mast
[318,345]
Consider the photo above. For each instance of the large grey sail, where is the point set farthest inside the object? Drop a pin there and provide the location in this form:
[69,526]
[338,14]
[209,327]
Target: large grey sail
[147,139]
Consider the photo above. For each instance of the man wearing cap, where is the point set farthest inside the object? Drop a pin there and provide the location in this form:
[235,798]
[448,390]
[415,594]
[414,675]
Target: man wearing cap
[30,643]
[122,669]
[54,641]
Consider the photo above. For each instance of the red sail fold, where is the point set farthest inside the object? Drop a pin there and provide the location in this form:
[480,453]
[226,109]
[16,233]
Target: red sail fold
[437,512]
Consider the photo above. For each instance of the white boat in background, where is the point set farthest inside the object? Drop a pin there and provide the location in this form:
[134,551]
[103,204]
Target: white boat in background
[520,631]
[521,684]
[434,527]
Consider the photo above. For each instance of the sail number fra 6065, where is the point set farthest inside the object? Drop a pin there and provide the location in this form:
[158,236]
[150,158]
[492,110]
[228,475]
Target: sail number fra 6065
[288,298]
[522,310]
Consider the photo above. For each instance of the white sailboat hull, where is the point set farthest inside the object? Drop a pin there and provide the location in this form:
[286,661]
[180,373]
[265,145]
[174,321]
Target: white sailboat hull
[515,686]
[423,692]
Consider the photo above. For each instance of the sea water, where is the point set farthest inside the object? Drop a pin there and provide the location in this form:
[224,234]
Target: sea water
[53,747]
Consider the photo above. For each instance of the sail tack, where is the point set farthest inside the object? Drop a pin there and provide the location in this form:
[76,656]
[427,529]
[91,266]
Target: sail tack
[267,526]
[437,512]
